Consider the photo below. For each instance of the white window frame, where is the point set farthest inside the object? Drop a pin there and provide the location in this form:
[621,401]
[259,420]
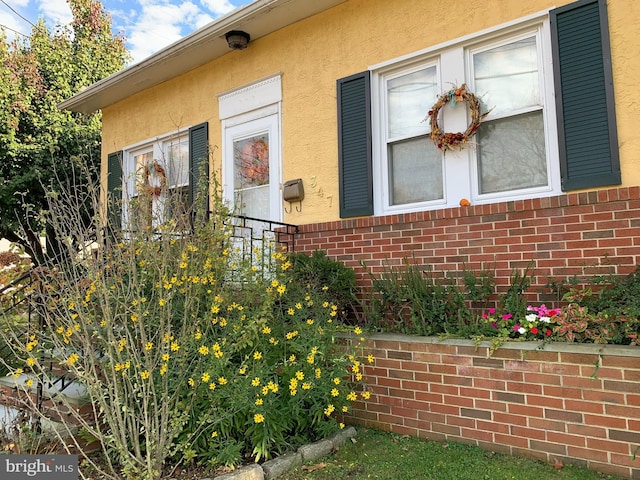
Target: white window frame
[159,147]
[453,62]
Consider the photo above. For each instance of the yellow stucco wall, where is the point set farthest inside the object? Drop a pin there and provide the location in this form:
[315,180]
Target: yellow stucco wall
[344,40]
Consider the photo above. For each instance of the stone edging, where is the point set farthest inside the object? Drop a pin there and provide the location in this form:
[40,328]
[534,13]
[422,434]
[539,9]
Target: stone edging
[278,466]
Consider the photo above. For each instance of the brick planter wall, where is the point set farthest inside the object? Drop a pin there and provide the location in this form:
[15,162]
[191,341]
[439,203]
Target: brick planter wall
[577,404]
[574,234]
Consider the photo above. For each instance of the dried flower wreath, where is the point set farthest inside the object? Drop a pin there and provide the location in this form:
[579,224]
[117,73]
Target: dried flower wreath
[450,141]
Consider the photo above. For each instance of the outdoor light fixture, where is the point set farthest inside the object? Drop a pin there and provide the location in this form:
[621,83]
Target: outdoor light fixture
[237,39]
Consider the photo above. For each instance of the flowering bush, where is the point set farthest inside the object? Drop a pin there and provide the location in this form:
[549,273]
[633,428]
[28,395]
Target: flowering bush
[188,351]
[537,324]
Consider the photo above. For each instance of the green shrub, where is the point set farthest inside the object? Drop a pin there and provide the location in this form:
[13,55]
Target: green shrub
[188,350]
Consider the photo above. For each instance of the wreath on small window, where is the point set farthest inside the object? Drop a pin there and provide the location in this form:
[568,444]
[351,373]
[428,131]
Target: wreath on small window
[455,141]
[155,179]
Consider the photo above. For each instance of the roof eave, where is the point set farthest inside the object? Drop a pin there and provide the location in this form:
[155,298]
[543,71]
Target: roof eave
[259,18]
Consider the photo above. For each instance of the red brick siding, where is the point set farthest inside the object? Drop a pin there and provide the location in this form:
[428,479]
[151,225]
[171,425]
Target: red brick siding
[574,234]
[552,404]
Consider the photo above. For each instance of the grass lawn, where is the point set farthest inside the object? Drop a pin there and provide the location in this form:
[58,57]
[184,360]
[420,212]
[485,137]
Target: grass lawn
[381,455]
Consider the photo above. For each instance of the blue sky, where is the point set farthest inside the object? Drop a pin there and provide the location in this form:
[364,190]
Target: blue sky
[148,25]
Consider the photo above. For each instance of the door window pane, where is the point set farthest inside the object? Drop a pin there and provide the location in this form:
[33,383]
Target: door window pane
[409,98]
[511,153]
[415,172]
[251,175]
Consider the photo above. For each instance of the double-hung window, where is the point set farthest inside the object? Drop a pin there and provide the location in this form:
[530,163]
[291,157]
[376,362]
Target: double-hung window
[154,182]
[546,82]
[509,158]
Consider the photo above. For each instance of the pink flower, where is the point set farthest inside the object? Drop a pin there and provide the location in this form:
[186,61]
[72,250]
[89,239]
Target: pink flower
[506,316]
[516,327]
[492,311]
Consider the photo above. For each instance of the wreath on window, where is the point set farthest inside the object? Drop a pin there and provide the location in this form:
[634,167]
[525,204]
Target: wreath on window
[155,179]
[455,141]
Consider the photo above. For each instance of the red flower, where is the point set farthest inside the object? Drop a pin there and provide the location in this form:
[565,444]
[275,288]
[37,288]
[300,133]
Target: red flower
[534,330]
[548,333]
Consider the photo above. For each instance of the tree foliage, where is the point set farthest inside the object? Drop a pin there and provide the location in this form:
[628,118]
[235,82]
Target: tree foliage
[41,145]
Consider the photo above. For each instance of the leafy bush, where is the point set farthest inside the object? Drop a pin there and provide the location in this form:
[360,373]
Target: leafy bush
[413,300]
[188,351]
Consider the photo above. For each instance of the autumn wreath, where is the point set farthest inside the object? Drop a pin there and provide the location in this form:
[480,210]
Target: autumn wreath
[450,141]
[155,179]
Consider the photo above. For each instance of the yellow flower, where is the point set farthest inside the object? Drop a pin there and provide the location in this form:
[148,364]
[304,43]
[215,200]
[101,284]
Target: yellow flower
[273,387]
[203,350]
[299,375]
[341,425]
[134,318]
[325,304]
[183,265]
[281,289]
[162,302]
[311,359]
[266,330]
[163,369]
[198,335]
[265,390]
[191,382]
[212,386]
[366,395]
[144,374]
[258,418]
[259,401]
[205,377]
[310,322]
[345,409]
[371,358]
[257,356]
[31,361]
[242,370]
[329,410]
[29,383]
[214,434]
[351,396]
[17,372]
[148,346]
[318,373]
[175,347]
[336,380]
[358,377]
[222,381]
[165,357]
[306,386]
[255,382]
[334,392]
[357,330]
[291,311]
[298,306]
[292,358]
[73,358]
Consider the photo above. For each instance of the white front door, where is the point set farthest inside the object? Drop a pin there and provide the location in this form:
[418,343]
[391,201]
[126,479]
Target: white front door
[251,170]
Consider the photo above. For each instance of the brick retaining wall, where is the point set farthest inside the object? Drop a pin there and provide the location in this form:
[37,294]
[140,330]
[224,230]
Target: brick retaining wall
[577,404]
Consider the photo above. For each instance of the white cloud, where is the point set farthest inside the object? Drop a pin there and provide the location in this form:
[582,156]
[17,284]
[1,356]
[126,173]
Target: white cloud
[55,11]
[158,25]
[218,7]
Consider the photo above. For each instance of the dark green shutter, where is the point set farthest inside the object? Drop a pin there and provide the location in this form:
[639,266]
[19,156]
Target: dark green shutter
[588,139]
[198,158]
[354,145]
[114,190]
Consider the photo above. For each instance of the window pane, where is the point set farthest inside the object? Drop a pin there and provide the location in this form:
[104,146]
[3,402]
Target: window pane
[142,162]
[415,172]
[506,77]
[511,153]
[178,165]
[409,98]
